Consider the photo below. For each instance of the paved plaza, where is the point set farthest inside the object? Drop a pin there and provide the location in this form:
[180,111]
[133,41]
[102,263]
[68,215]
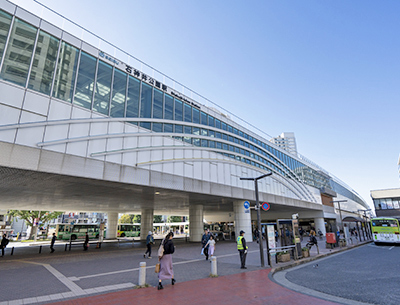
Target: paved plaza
[29,277]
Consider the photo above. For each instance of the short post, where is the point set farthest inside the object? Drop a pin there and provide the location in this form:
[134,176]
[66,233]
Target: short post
[66,245]
[40,249]
[142,274]
[70,244]
[12,250]
[214,266]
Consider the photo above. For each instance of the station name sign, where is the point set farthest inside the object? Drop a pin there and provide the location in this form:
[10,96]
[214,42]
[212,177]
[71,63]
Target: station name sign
[147,79]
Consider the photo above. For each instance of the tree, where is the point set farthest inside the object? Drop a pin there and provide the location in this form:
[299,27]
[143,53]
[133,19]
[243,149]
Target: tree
[174,218]
[137,219]
[125,218]
[157,218]
[30,216]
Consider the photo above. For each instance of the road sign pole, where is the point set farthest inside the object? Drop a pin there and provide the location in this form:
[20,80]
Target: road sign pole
[259,224]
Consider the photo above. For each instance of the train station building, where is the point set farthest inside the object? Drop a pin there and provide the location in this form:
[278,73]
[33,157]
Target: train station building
[85,126]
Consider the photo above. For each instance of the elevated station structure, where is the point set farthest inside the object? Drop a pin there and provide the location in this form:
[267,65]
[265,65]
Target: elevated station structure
[86,126]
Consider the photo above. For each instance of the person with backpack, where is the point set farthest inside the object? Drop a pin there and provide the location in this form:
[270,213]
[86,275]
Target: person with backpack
[165,252]
[149,242]
[4,243]
[313,240]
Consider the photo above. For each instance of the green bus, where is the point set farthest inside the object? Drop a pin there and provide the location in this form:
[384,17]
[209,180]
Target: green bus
[77,231]
[385,230]
[128,230]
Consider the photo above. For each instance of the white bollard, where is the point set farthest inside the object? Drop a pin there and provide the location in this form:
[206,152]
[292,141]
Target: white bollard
[142,274]
[214,266]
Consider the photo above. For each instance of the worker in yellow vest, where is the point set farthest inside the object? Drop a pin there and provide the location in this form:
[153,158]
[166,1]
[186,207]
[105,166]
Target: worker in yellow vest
[242,248]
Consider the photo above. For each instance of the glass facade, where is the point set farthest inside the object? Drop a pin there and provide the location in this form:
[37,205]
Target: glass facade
[41,62]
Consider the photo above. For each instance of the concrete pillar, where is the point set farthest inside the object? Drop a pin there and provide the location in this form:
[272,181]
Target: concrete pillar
[112,222]
[320,224]
[146,222]
[214,271]
[142,274]
[196,226]
[242,220]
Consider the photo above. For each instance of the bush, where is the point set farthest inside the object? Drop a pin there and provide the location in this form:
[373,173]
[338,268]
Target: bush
[304,249]
[281,253]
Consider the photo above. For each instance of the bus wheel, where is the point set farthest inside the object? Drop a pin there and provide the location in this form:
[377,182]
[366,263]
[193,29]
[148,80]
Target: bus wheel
[123,235]
[73,237]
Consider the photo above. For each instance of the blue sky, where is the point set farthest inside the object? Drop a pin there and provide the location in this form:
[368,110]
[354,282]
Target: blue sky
[326,70]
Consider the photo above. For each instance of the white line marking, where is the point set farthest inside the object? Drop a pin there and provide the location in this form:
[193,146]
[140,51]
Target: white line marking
[391,248]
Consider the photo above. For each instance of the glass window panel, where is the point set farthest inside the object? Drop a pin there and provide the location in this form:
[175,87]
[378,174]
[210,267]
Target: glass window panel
[396,204]
[146,125]
[188,112]
[157,127]
[211,121]
[5,21]
[389,204]
[231,148]
[118,94]
[203,118]
[230,129]
[145,101]
[84,85]
[178,110]
[132,99]
[17,58]
[188,140]
[196,142]
[196,116]
[169,107]
[230,138]
[168,127]
[66,72]
[383,204]
[188,129]
[217,123]
[204,132]
[224,137]
[211,144]
[240,133]
[218,135]
[235,131]
[102,92]
[223,126]
[178,129]
[158,107]
[204,143]
[44,62]
[218,145]
[211,133]
[225,146]
[196,130]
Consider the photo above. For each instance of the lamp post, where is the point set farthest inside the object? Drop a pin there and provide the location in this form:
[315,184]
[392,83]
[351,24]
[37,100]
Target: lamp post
[340,211]
[257,207]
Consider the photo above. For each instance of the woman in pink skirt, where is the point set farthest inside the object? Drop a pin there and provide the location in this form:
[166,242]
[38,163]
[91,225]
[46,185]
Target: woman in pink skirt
[166,271]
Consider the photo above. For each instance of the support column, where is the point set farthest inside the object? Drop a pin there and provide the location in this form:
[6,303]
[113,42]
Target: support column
[242,220]
[320,224]
[196,226]
[112,222]
[146,222]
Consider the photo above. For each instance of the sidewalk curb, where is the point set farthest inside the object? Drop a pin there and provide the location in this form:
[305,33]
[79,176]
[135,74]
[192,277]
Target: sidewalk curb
[310,259]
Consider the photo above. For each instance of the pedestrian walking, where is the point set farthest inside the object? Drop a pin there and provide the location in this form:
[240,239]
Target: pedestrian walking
[149,242]
[211,245]
[166,270]
[204,241]
[242,248]
[86,242]
[4,243]
[53,240]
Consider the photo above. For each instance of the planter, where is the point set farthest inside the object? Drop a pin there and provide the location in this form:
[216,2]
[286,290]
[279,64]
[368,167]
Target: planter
[284,257]
[306,253]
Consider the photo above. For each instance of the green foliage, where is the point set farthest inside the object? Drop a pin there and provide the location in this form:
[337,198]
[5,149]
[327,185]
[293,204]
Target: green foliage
[174,218]
[137,219]
[281,253]
[125,218]
[157,218]
[305,249]
[29,216]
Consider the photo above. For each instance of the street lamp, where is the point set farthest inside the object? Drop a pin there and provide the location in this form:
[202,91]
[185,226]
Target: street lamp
[340,211]
[257,207]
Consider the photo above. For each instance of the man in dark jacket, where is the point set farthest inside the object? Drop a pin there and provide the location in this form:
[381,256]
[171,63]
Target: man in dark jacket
[86,243]
[204,241]
[53,240]
[4,243]
[149,242]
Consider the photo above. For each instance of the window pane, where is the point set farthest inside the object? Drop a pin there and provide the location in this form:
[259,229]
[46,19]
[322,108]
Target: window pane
[145,104]
[204,143]
[19,53]
[203,118]
[188,113]
[188,129]
[178,110]
[5,21]
[84,84]
[44,63]
[66,72]
[178,129]
[168,128]
[211,121]
[118,94]
[132,100]
[169,107]
[158,104]
[196,116]
[223,126]
[157,127]
[103,88]
[217,123]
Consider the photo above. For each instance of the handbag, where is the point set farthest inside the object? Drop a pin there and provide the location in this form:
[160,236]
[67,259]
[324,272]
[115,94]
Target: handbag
[161,249]
[157,269]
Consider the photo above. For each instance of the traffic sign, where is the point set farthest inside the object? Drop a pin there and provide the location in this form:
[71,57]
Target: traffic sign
[246,205]
[265,206]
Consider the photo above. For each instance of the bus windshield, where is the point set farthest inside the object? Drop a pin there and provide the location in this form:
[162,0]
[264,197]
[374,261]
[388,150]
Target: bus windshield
[384,223]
